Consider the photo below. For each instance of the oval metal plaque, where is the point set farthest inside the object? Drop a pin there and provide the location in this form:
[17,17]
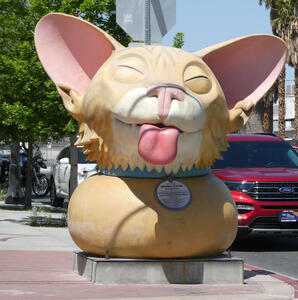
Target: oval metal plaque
[173,194]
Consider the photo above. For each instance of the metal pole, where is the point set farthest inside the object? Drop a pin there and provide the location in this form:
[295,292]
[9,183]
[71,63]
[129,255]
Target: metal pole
[147,22]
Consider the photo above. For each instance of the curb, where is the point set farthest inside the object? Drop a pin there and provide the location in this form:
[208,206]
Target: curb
[290,281]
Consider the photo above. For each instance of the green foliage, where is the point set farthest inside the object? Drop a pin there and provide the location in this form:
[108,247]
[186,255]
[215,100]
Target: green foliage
[41,217]
[178,40]
[283,12]
[30,107]
[2,193]
[284,23]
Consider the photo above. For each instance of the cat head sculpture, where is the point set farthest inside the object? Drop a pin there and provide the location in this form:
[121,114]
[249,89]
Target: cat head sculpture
[155,106]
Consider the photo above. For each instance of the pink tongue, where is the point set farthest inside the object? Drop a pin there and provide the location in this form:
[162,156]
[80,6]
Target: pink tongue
[158,145]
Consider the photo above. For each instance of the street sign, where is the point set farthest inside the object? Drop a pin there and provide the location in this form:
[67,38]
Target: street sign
[141,23]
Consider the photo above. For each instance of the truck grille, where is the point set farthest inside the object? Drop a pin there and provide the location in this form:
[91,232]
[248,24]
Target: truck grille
[272,223]
[270,191]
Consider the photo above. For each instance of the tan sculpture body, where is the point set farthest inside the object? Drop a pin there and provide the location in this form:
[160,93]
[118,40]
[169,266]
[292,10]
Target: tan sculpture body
[154,117]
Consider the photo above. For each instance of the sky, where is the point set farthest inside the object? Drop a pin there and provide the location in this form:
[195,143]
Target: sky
[208,22]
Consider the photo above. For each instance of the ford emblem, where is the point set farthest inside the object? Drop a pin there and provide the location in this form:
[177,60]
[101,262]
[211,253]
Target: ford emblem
[287,190]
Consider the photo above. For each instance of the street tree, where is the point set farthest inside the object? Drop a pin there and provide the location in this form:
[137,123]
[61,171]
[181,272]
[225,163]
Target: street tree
[30,108]
[178,41]
[283,20]
[268,100]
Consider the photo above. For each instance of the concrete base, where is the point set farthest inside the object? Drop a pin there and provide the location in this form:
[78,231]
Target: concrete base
[208,270]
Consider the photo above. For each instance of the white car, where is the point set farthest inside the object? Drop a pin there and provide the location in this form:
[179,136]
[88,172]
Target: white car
[60,174]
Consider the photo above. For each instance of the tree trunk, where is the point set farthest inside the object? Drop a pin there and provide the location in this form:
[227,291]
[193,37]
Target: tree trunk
[296,102]
[281,104]
[268,100]
[28,191]
[14,193]
[73,181]
[268,117]
[255,123]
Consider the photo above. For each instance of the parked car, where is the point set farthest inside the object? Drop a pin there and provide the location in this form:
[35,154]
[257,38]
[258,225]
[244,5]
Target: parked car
[4,172]
[60,174]
[294,144]
[4,166]
[5,152]
[261,172]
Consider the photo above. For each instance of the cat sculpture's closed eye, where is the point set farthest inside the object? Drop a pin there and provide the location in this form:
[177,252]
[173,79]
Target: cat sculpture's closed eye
[147,114]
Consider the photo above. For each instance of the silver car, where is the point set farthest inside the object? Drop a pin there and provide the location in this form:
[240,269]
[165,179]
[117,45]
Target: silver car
[60,174]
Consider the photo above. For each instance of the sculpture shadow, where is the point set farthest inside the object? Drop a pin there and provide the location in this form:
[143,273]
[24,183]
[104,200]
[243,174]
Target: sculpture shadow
[180,271]
[252,273]
[163,215]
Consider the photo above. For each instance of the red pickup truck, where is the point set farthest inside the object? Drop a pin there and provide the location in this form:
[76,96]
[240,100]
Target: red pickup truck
[262,173]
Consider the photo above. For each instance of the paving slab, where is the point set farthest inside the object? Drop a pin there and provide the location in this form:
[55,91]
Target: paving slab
[48,274]
[36,263]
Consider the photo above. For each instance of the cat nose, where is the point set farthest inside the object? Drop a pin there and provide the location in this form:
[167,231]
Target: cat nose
[165,95]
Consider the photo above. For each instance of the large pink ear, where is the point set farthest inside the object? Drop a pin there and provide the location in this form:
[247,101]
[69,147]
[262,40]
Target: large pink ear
[72,50]
[246,67]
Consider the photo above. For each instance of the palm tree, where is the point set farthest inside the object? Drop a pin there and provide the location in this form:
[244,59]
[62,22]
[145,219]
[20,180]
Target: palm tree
[270,97]
[283,19]
[293,62]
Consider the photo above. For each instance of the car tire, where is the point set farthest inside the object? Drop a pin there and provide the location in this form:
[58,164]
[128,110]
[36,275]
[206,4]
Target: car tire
[55,201]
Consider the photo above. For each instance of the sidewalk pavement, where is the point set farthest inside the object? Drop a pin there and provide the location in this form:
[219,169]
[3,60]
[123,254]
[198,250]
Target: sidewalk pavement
[36,263]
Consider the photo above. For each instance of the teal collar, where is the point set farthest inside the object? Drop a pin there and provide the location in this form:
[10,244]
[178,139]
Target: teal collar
[137,173]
